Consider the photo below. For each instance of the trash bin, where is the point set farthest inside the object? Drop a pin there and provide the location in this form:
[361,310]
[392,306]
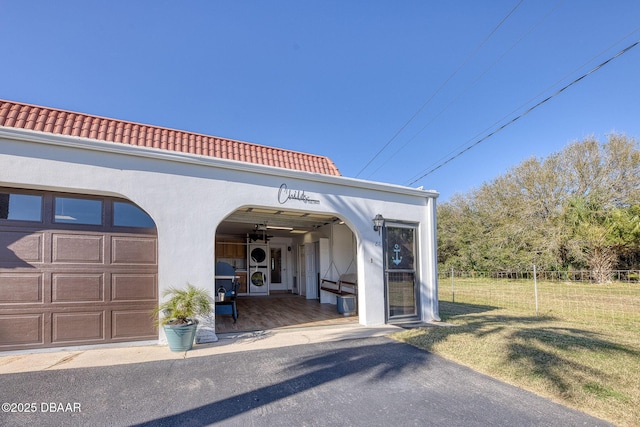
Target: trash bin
[347,305]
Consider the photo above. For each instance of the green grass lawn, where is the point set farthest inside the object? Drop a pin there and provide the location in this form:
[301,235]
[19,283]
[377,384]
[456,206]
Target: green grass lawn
[575,354]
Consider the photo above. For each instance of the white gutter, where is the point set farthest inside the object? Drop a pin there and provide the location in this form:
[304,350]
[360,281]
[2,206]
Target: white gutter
[195,159]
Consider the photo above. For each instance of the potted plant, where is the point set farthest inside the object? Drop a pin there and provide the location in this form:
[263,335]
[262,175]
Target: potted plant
[179,312]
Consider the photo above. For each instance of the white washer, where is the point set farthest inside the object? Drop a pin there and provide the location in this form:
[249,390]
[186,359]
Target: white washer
[258,281]
[258,269]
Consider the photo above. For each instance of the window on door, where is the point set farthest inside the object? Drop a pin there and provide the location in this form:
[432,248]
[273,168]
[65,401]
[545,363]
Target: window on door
[20,207]
[276,265]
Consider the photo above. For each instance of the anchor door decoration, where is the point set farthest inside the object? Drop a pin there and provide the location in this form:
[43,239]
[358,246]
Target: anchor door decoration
[397,259]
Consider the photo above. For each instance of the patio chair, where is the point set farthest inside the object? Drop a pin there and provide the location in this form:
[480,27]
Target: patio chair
[226,282]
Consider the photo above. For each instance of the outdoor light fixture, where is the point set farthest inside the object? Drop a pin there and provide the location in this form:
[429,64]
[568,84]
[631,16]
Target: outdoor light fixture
[378,222]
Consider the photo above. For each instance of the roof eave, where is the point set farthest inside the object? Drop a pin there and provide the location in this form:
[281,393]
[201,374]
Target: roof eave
[188,158]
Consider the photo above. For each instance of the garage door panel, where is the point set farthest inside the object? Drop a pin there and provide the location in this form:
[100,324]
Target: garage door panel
[133,324]
[134,287]
[133,250]
[21,330]
[21,288]
[77,327]
[77,287]
[70,283]
[77,248]
[21,247]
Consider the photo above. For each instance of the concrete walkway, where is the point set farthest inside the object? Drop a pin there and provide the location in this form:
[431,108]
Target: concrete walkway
[95,356]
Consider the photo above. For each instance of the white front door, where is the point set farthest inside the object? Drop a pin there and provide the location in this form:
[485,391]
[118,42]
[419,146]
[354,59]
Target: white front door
[279,268]
[311,267]
[302,263]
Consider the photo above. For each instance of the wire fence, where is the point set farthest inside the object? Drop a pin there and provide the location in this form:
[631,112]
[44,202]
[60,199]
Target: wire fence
[567,276]
[568,296]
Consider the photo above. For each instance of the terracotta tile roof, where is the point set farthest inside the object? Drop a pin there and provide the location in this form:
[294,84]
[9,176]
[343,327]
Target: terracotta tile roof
[51,120]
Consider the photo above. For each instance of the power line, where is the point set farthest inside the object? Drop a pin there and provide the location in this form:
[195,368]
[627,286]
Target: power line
[558,92]
[471,55]
[433,119]
[533,98]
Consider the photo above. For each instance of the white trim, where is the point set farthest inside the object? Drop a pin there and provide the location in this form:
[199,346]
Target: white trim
[180,157]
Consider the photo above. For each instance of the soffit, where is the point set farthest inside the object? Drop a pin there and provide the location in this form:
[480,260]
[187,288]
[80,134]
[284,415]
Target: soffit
[249,220]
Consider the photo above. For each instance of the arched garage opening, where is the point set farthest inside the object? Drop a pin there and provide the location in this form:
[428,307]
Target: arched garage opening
[75,270]
[282,260]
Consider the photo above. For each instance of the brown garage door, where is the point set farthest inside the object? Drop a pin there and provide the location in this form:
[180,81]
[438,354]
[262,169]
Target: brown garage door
[74,270]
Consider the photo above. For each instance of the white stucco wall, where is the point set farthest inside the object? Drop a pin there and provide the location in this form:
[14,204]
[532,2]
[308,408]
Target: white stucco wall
[188,196]
[342,256]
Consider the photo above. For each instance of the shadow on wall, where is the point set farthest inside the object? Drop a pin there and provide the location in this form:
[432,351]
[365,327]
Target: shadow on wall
[14,243]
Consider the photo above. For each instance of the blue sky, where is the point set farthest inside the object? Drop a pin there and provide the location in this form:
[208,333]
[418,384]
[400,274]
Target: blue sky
[340,78]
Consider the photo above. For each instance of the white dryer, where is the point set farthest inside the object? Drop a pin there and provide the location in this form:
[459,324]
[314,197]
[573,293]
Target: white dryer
[258,256]
[258,269]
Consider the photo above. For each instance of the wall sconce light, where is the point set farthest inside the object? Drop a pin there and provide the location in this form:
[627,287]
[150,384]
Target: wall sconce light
[378,222]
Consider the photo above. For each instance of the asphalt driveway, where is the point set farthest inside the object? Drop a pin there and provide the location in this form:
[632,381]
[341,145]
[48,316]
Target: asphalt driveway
[360,382]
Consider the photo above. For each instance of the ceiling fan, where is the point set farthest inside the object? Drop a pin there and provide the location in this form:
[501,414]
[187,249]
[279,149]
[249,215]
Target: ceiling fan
[256,235]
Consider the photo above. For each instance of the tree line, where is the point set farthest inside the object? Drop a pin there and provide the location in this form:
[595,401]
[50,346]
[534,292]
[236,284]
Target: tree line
[575,209]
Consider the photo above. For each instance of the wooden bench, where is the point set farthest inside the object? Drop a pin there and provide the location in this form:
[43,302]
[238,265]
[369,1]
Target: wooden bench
[347,284]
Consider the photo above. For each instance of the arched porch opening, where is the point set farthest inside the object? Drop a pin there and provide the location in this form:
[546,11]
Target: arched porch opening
[281,258]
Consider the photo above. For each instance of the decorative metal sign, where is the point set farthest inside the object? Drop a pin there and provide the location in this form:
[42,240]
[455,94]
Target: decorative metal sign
[285,194]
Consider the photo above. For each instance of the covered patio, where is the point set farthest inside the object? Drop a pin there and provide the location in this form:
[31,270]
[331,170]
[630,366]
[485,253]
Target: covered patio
[280,311]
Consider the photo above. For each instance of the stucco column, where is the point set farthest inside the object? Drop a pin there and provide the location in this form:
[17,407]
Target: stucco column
[429,266]
[185,255]
[371,279]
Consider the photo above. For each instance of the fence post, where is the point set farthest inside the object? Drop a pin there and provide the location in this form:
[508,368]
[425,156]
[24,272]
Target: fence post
[453,292]
[535,287]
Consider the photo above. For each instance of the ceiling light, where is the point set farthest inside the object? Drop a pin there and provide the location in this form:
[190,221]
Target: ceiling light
[276,227]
